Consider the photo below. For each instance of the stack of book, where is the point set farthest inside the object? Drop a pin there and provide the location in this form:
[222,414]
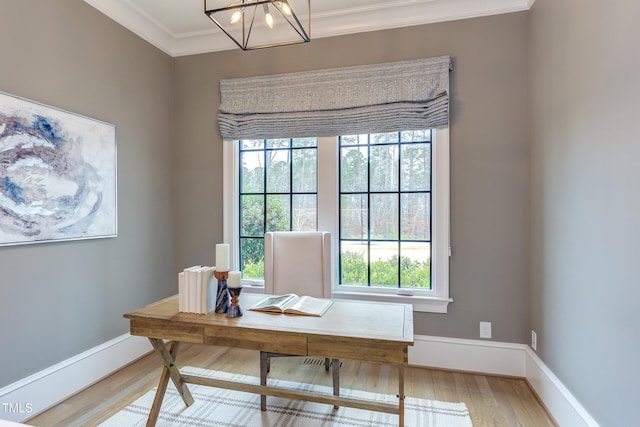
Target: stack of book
[197,288]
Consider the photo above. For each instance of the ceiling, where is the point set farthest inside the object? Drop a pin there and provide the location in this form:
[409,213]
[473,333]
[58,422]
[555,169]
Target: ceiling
[180,27]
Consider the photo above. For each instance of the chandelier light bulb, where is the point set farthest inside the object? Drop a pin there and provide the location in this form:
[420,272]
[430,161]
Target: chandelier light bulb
[284,6]
[267,16]
[236,16]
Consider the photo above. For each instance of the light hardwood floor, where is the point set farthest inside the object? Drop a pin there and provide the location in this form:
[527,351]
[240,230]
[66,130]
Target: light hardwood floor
[492,401]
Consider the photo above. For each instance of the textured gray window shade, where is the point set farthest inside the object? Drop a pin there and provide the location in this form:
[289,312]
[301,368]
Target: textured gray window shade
[389,97]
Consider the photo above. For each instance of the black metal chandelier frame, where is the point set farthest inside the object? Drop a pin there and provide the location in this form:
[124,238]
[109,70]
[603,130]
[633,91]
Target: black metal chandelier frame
[242,7]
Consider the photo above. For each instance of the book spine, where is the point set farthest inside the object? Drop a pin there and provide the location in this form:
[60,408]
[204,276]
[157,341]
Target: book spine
[205,296]
[193,281]
[181,291]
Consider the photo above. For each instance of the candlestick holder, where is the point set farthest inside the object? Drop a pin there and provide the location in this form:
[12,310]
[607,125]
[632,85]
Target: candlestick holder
[234,308]
[222,297]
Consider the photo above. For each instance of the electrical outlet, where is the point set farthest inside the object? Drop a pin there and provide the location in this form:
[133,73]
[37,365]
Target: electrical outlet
[485,329]
[534,340]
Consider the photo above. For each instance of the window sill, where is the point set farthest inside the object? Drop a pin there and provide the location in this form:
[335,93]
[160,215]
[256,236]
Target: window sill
[252,286]
[420,303]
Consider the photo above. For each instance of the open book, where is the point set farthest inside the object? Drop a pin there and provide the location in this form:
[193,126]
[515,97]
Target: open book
[293,304]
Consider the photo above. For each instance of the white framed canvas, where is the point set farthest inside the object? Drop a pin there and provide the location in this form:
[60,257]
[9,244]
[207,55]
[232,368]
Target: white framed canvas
[57,174]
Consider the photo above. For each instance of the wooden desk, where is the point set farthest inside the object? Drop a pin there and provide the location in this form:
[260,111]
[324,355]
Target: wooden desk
[365,331]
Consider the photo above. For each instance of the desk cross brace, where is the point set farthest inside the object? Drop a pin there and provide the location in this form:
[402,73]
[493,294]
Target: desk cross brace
[292,394]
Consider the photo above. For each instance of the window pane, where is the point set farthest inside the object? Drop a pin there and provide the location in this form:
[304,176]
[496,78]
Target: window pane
[415,265]
[278,208]
[305,170]
[304,213]
[416,216]
[252,172]
[278,171]
[384,264]
[384,216]
[354,139]
[304,142]
[252,214]
[252,256]
[250,144]
[353,263]
[353,169]
[278,143]
[381,138]
[353,216]
[415,135]
[416,167]
[384,168]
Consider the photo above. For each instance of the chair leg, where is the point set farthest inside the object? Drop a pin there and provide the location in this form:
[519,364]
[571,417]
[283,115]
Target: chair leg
[335,363]
[264,362]
[327,364]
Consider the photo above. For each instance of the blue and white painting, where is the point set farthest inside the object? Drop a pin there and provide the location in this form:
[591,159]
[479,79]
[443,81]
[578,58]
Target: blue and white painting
[57,174]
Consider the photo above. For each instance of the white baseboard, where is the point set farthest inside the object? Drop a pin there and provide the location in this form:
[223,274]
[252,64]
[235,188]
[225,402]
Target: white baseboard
[498,358]
[28,396]
[457,354]
[559,401]
[37,392]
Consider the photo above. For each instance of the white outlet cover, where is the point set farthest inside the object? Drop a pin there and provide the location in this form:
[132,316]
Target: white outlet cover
[485,329]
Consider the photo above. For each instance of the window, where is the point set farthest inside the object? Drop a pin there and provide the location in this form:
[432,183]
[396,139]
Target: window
[277,191]
[385,210]
[383,197]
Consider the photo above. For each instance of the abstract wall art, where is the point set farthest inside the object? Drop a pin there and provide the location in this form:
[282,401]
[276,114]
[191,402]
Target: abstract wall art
[57,174]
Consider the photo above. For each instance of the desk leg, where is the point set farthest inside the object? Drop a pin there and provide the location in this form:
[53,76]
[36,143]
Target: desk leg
[401,396]
[264,360]
[170,370]
[335,370]
[162,388]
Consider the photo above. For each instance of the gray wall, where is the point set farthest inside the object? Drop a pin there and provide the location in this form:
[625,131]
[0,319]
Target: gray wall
[489,155]
[60,299]
[585,101]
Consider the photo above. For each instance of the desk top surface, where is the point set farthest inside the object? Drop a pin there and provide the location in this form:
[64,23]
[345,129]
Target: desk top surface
[375,321]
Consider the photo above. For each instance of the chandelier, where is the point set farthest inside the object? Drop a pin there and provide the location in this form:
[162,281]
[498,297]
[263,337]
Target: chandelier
[257,24]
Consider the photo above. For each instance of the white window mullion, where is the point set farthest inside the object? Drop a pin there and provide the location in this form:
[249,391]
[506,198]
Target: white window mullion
[231,201]
[328,197]
[441,219]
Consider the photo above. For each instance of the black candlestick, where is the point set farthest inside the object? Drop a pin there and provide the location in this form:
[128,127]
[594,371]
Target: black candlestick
[234,308]
[222,297]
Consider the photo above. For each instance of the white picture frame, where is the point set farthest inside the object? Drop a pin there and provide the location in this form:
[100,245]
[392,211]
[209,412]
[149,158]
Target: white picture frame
[58,174]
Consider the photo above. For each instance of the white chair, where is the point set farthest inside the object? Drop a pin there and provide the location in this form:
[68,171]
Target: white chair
[297,262]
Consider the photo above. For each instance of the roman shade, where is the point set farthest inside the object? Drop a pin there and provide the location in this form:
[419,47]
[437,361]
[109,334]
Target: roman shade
[388,97]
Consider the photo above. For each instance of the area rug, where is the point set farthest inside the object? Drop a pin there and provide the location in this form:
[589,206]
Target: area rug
[219,407]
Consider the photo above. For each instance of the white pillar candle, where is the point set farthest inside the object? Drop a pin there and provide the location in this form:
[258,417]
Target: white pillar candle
[222,257]
[234,279]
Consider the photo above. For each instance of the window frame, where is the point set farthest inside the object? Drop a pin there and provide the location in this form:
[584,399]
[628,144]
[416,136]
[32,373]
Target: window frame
[434,300]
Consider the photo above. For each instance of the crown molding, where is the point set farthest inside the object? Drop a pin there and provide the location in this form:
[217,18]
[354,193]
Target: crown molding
[396,14]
